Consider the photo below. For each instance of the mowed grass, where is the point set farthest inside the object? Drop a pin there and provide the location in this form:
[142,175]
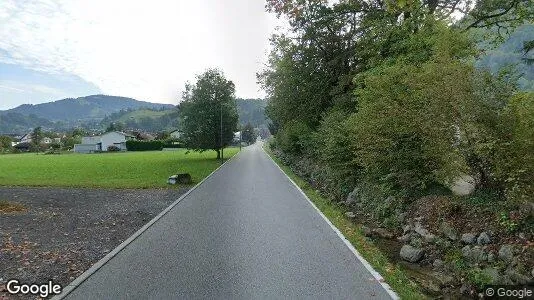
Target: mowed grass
[107,170]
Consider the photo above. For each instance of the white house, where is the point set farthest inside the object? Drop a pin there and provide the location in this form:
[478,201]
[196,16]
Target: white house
[175,134]
[97,143]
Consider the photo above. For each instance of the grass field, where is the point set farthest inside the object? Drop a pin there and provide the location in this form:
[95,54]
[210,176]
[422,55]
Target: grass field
[107,170]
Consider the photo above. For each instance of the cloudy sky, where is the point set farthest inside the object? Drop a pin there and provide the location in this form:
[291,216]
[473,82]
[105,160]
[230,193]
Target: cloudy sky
[53,49]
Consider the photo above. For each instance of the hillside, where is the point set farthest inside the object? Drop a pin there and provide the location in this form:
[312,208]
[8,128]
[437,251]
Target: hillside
[94,107]
[144,119]
[252,111]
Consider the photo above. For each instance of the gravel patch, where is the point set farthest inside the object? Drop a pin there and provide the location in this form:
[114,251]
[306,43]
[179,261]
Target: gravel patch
[64,231]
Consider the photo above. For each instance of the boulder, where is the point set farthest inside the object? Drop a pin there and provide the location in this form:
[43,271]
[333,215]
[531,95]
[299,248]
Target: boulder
[366,231]
[517,277]
[407,228]
[483,239]
[437,264]
[469,238]
[350,215]
[405,238]
[383,233]
[411,254]
[424,233]
[506,253]
[478,255]
[352,197]
[449,231]
[184,178]
[492,273]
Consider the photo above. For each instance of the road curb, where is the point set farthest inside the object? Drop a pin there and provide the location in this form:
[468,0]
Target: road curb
[365,263]
[74,284]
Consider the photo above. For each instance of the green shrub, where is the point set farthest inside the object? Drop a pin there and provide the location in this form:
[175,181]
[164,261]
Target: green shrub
[144,145]
[113,149]
[295,137]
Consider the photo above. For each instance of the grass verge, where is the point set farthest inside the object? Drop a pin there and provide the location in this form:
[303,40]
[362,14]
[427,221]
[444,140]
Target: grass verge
[149,169]
[393,274]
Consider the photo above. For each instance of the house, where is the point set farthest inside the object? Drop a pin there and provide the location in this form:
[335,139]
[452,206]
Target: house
[175,134]
[27,138]
[47,140]
[99,143]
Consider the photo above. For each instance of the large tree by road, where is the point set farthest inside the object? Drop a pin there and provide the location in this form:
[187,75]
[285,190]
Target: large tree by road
[206,106]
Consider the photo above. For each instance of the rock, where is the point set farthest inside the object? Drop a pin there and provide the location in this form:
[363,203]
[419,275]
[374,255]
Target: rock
[478,255]
[411,254]
[366,231]
[449,231]
[405,238]
[429,238]
[483,239]
[352,197]
[492,273]
[443,279]
[350,215]
[383,233]
[532,273]
[466,252]
[437,264]
[466,289]
[401,217]
[463,185]
[184,178]
[424,233]
[517,277]
[506,253]
[469,238]
[407,228]
[491,257]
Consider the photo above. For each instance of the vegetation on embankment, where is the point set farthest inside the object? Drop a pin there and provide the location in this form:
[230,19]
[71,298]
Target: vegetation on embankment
[380,106]
[107,170]
[336,213]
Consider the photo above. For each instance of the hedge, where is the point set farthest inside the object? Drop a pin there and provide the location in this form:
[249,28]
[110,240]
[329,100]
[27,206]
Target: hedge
[144,145]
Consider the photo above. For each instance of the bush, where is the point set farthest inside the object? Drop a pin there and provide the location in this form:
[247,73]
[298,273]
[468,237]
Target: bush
[514,152]
[295,137]
[144,145]
[113,149]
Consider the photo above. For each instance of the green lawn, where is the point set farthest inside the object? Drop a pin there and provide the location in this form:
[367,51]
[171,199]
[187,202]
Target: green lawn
[107,170]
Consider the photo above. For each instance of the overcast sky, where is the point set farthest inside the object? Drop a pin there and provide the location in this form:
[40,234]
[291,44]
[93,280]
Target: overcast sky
[53,49]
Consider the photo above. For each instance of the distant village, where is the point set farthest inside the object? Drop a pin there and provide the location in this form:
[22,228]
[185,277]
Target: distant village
[93,141]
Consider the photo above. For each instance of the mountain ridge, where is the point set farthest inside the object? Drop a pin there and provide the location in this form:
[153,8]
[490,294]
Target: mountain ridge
[92,107]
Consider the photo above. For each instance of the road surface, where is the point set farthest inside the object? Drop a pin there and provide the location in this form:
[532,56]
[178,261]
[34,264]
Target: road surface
[246,232]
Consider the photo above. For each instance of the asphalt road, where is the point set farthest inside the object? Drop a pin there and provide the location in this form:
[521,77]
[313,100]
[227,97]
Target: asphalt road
[247,232]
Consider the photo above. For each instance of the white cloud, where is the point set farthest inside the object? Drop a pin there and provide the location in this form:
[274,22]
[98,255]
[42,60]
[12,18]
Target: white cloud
[142,49]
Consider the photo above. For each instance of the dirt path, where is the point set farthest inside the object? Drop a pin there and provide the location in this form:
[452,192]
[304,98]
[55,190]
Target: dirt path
[64,231]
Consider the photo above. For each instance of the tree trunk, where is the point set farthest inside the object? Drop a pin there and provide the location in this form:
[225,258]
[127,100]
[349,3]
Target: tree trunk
[218,153]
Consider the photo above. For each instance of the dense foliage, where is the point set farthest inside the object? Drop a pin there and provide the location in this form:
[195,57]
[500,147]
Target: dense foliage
[386,94]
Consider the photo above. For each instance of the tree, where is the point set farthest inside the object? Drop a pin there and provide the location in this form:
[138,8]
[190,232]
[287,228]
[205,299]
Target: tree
[37,137]
[5,143]
[248,135]
[204,104]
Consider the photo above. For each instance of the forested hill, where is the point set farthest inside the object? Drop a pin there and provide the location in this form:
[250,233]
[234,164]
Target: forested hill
[252,111]
[94,107]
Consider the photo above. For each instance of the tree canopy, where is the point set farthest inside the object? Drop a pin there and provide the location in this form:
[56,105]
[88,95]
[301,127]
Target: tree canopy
[206,104]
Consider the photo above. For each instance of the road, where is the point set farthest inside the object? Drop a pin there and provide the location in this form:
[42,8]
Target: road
[245,233]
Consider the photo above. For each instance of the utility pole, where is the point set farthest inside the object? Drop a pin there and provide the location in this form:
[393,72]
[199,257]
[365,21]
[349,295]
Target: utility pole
[222,149]
[240,136]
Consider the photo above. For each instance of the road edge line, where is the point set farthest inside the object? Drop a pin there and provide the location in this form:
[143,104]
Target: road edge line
[99,264]
[356,253]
